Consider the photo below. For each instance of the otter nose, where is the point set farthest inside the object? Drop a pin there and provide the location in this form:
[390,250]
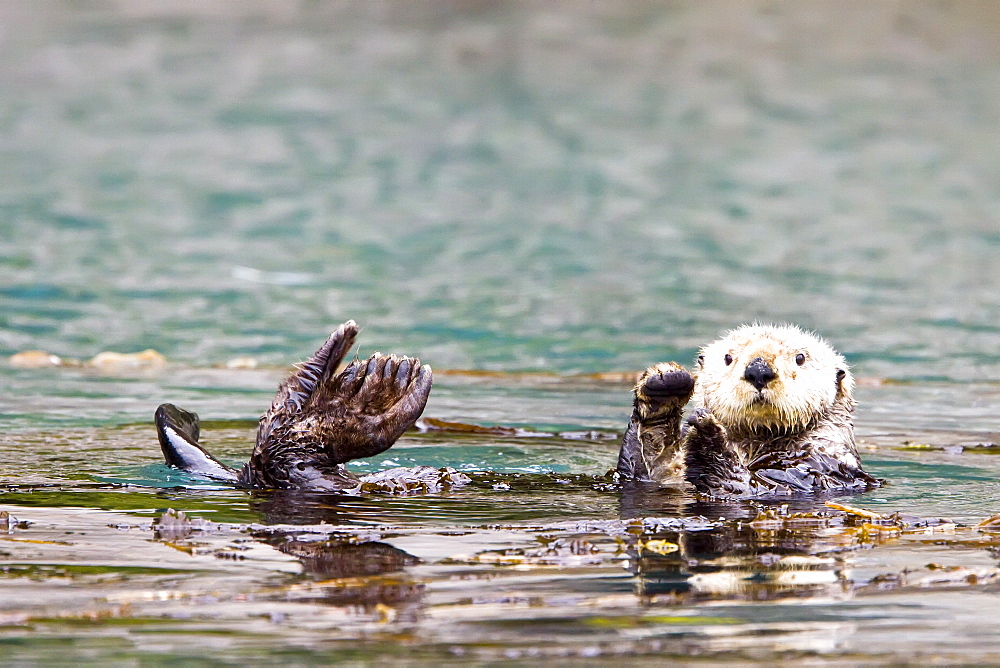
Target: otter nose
[759,373]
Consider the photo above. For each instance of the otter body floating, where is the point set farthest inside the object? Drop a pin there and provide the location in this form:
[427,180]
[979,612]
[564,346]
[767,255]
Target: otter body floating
[773,415]
[319,420]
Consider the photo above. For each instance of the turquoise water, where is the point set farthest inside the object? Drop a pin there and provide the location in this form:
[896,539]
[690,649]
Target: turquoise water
[541,191]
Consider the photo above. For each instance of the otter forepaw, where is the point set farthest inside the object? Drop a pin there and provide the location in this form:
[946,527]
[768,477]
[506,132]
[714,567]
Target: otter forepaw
[649,448]
[714,466]
[666,380]
[705,428]
[663,387]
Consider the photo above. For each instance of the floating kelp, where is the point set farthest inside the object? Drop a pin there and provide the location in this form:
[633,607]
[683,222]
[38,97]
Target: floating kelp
[413,480]
[434,425]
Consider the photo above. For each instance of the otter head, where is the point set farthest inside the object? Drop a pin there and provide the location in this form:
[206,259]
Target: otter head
[771,378]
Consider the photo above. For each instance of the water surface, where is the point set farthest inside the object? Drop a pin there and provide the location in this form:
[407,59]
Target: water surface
[534,194]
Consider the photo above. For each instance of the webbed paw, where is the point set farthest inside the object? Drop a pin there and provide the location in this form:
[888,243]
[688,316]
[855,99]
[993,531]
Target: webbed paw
[362,411]
[330,418]
[178,431]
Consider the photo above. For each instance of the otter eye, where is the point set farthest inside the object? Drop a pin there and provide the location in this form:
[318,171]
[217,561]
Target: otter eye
[800,359]
[728,358]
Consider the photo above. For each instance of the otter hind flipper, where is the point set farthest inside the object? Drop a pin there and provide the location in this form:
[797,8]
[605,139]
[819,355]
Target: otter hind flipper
[295,392]
[178,431]
[810,471]
[365,409]
[320,419]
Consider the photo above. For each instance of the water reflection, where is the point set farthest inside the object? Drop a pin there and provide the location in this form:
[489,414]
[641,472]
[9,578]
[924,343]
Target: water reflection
[331,558]
[352,573]
[505,187]
[609,581]
[737,562]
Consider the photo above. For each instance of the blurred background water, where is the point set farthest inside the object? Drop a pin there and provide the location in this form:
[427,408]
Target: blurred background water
[568,188]
[494,185]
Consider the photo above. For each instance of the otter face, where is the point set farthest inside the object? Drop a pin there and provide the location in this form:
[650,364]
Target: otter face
[771,378]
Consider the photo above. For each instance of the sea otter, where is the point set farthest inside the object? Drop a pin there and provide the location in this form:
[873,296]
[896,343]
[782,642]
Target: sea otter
[318,420]
[773,415]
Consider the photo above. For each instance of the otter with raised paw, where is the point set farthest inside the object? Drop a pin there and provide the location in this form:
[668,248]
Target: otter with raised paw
[773,415]
[318,420]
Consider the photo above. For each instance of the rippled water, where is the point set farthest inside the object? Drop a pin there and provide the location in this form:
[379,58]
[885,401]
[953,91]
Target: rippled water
[542,192]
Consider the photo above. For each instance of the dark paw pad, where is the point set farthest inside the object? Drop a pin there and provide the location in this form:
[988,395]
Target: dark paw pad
[672,383]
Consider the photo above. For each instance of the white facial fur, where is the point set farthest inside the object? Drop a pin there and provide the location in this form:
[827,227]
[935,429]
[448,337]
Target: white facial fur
[793,400]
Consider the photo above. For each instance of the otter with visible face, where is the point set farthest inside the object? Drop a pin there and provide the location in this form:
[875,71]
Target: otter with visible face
[773,415]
